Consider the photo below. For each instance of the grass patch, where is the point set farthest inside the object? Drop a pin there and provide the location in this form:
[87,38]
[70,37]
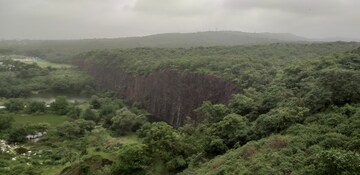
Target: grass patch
[84,106]
[92,151]
[130,139]
[44,64]
[51,170]
[52,119]
[2,101]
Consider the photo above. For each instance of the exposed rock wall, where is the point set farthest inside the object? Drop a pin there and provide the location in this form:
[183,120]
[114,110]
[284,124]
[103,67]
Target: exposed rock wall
[169,95]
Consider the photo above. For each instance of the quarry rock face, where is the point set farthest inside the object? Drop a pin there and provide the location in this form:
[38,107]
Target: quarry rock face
[168,95]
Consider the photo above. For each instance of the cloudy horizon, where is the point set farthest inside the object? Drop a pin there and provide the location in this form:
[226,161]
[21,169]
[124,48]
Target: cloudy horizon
[69,19]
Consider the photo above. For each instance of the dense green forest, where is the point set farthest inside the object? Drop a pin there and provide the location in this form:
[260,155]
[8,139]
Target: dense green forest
[248,66]
[298,112]
[306,122]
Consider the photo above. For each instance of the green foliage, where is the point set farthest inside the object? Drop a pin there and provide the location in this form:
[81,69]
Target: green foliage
[283,89]
[73,130]
[125,121]
[326,143]
[249,104]
[166,145]
[89,165]
[336,162]
[90,115]
[132,159]
[212,112]
[14,105]
[6,122]
[23,170]
[84,125]
[68,130]
[60,86]
[248,66]
[22,70]
[161,138]
[232,129]
[108,109]
[326,81]
[95,102]
[17,135]
[35,106]
[279,119]
[60,105]
[73,147]
[74,112]
[295,113]
[19,79]
[214,146]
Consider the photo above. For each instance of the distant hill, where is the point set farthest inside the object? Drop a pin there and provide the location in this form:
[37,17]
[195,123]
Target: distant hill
[57,49]
[210,38]
[338,39]
[215,38]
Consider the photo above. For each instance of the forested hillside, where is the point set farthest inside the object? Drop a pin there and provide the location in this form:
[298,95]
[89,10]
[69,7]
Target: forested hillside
[296,110]
[181,79]
[306,122]
[285,108]
[61,50]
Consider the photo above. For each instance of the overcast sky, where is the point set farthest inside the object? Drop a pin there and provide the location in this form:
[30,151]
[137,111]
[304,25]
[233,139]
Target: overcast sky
[76,19]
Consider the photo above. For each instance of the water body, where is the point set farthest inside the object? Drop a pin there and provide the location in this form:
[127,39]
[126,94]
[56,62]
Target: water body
[49,98]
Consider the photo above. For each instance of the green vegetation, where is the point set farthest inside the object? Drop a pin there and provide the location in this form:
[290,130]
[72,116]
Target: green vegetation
[248,66]
[19,79]
[70,146]
[301,123]
[51,119]
[46,64]
[298,112]
[14,105]
[325,143]
[125,122]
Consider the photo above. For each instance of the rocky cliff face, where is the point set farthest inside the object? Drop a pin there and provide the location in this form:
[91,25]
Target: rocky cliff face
[169,95]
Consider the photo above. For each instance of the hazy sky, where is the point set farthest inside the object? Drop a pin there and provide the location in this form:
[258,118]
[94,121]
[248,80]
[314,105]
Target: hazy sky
[68,19]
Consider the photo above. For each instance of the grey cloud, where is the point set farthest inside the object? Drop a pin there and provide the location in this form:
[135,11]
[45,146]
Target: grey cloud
[67,19]
[304,7]
[176,7]
[58,18]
